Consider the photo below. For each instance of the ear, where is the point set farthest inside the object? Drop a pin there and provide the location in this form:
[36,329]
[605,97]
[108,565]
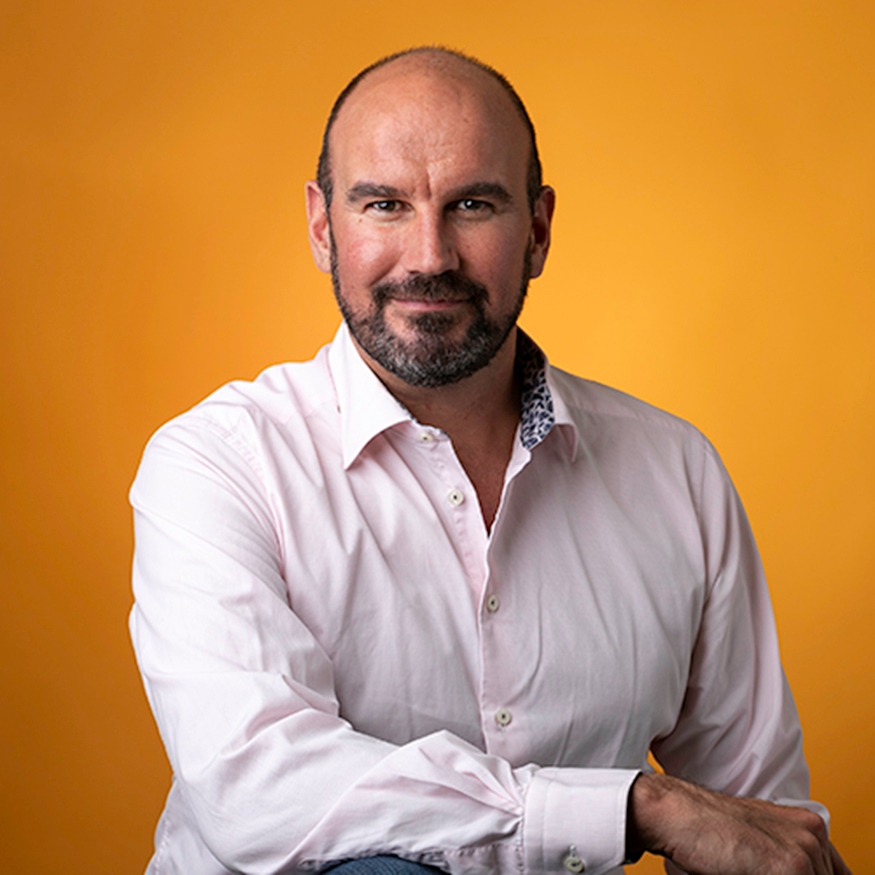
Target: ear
[542,218]
[317,226]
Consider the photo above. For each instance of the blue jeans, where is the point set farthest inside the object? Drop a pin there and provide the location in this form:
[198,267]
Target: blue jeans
[383,865]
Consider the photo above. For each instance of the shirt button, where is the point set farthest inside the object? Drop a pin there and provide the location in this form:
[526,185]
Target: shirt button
[572,862]
[492,604]
[503,717]
[426,437]
[455,497]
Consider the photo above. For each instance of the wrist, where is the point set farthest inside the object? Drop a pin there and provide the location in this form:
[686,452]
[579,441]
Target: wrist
[649,798]
[634,848]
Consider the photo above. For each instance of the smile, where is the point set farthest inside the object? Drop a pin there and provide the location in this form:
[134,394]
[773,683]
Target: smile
[428,306]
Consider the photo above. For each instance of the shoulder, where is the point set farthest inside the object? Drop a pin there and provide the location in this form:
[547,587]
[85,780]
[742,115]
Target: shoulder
[281,395]
[245,423]
[592,406]
[638,445]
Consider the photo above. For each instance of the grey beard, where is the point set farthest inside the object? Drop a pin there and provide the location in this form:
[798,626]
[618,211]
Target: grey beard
[431,359]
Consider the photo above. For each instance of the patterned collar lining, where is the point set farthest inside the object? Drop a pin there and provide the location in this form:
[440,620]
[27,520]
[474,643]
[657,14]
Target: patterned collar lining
[536,415]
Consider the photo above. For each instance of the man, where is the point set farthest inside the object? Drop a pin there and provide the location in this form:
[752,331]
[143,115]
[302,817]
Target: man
[426,601]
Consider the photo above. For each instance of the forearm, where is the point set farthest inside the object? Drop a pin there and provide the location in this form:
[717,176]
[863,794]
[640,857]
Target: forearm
[303,788]
[269,773]
[706,832]
[271,781]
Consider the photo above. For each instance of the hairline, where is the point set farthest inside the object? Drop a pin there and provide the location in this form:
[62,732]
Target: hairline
[533,170]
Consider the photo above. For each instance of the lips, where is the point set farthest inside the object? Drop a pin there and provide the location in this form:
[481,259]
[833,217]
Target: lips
[428,302]
[443,289]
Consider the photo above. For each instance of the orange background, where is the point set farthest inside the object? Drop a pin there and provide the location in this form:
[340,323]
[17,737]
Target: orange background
[713,253]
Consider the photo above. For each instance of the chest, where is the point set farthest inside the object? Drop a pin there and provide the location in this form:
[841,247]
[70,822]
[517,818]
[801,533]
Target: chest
[563,636]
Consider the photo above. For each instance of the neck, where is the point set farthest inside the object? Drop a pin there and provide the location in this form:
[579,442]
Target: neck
[487,400]
[479,413]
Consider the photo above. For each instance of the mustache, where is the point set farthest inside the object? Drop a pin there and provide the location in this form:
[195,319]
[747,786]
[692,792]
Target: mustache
[447,286]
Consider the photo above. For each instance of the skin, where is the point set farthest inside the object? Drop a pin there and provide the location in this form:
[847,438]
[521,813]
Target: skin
[429,160]
[429,163]
[707,833]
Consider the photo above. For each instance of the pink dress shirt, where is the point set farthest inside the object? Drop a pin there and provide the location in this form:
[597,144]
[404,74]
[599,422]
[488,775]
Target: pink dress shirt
[342,661]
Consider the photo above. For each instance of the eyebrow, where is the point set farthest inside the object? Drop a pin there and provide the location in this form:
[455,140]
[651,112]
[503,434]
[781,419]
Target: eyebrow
[494,190]
[365,190]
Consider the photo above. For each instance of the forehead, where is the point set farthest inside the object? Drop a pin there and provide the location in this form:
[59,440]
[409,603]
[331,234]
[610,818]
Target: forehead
[439,117]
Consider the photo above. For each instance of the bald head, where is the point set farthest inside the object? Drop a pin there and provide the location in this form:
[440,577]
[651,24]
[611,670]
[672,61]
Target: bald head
[453,66]
[438,220]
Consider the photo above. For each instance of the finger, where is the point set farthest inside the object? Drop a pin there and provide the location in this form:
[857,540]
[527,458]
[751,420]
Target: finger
[812,839]
[838,864]
[823,848]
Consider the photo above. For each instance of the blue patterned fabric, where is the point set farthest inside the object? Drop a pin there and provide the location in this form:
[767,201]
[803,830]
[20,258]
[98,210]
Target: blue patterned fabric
[537,416]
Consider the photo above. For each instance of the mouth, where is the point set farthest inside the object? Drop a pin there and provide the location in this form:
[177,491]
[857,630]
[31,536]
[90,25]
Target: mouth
[429,305]
[430,294]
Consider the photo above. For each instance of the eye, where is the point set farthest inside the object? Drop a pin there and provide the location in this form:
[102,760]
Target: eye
[472,209]
[472,205]
[387,206]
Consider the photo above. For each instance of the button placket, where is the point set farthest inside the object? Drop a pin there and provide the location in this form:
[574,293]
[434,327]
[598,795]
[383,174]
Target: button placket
[572,861]
[503,717]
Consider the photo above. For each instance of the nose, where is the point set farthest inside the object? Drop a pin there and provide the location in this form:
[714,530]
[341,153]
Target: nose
[429,247]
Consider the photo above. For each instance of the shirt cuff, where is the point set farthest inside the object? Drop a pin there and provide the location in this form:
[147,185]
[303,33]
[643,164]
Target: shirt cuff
[575,820]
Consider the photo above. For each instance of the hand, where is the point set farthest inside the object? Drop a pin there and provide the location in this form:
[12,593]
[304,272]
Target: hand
[707,833]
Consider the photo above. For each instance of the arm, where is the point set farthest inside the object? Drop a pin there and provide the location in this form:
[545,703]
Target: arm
[738,731]
[703,832]
[271,774]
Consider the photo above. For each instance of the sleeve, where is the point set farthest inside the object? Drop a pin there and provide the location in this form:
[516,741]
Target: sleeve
[272,777]
[738,731]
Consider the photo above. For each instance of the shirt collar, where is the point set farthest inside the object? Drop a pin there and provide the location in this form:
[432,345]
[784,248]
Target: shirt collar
[541,405]
[367,408]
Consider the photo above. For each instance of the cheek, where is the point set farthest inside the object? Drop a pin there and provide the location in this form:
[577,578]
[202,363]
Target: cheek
[497,258]
[364,258]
